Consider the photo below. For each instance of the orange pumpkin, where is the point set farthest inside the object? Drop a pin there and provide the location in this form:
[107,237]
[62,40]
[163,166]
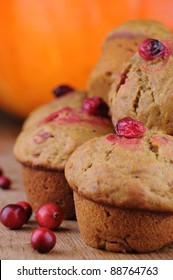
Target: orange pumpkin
[45,43]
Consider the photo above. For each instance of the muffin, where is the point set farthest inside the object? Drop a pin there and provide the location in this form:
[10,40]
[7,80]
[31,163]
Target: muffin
[118,47]
[62,96]
[144,88]
[123,189]
[47,140]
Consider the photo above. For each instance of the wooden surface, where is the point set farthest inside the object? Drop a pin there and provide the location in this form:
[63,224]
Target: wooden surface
[15,244]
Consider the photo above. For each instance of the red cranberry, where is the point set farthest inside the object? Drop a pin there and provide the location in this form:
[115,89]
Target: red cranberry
[4,182]
[43,240]
[1,171]
[95,106]
[27,207]
[150,49]
[49,215]
[13,216]
[129,128]
[62,90]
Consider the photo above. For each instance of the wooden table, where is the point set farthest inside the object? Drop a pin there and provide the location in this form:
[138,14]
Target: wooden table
[15,244]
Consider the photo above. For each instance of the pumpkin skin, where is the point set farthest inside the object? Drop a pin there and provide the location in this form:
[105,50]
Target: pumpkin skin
[160,10]
[45,43]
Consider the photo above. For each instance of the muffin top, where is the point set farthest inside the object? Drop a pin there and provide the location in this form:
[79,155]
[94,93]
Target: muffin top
[129,173]
[144,87]
[72,98]
[140,28]
[52,135]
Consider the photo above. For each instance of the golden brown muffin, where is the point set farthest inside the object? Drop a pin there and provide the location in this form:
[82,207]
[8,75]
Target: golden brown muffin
[118,47]
[68,99]
[48,139]
[144,89]
[124,191]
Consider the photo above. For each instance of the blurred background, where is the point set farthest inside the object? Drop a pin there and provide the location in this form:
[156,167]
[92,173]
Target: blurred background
[45,43]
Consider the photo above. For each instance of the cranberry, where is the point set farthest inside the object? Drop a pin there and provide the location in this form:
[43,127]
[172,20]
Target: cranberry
[27,207]
[43,240]
[13,216]
[62,90]
[150,49]
[1,171]
[49,215]
[4,182]
[95,106]
[129,128]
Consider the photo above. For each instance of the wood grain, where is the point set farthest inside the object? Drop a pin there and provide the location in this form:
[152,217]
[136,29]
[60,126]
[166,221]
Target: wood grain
[15,244]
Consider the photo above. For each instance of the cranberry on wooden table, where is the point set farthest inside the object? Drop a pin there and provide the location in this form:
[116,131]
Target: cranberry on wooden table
[13,216]
[49,215]
[1,171]
[5,182]
[43,240]
[27,207]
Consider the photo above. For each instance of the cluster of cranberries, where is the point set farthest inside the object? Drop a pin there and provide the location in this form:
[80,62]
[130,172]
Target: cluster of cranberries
[5,182]
[94,105]
[15,215]
[49,217]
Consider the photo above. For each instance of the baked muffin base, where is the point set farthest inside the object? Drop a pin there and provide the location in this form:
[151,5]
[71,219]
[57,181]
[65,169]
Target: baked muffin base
[120,230]
[45,186]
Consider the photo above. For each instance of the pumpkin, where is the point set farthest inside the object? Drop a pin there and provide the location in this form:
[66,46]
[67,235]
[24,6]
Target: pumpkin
[45,43]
